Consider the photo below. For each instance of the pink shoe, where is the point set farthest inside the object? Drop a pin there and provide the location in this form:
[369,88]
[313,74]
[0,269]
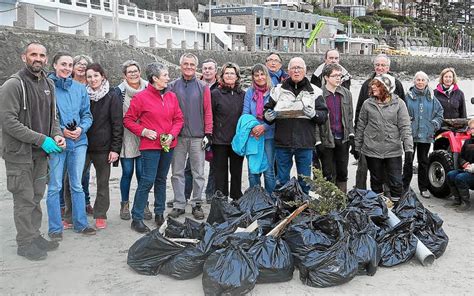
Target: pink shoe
[66,225]
[100,223]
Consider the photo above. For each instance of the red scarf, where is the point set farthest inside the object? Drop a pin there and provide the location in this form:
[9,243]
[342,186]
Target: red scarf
[258,98]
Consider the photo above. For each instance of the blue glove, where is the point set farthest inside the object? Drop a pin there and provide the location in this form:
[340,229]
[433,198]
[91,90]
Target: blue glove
[270,115]
[309,111]
[50,146]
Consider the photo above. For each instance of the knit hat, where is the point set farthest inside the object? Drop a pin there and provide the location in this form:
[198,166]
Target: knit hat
[388,81]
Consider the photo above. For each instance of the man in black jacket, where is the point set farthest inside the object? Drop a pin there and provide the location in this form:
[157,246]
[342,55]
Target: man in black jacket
[331,57]
[381,66]
[296,107]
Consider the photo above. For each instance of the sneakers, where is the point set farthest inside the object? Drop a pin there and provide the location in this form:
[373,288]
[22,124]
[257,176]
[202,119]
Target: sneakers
[88,231]
[67,225]
[139,226]
[159,220]
[45,244]
[425,194]
[100,223]
[198,213]
[32,252]
[465,207]
[89,210]
[169,204]
[125,210]
[147,215]
[56,236]
[175,213]
[453,204]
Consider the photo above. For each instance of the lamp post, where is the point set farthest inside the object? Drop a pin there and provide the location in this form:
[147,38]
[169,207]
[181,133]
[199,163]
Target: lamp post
[115,19]
[210,21]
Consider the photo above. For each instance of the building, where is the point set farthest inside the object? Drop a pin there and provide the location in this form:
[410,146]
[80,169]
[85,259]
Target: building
[277,28]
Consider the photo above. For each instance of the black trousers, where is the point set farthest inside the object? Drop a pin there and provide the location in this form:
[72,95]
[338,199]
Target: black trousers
[334,161]
[422,150]
[223,156]
[388,170]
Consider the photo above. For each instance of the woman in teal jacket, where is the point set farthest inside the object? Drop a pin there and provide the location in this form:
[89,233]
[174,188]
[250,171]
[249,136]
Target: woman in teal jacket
[426,115]
[75,119]
[257,95]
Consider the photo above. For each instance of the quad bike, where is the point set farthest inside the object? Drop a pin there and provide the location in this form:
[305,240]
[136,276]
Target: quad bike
[444,158]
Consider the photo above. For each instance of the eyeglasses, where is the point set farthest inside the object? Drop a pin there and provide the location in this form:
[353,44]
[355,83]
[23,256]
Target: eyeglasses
[381,65]
[297,68]
[273,61]
[335,75]
[133,72]
[81,64]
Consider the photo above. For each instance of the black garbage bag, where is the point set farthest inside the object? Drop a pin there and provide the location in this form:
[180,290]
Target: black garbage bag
[221,210]
[333,265]
[150,252]
[185,265]
[329,267]
[274,260]
[302,239]
[258,203]
[229,271]
[362,240]
[369,202]
[188,229]
[291,191]
[398,245]
[428,226]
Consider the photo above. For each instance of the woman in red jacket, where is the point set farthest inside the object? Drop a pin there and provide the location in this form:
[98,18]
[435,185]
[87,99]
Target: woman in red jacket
[154,115]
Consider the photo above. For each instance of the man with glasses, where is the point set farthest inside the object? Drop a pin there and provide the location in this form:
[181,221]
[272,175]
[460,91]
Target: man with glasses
[330,57]
[381,66]
[337,133]
[296,107]
[194,98]
[273,64]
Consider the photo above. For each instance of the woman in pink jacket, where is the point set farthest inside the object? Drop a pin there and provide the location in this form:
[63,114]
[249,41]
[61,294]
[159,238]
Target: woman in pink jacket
[154,115]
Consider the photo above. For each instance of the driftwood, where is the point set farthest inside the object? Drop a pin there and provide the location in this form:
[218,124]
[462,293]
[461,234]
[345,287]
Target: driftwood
[184,240]
[283,223]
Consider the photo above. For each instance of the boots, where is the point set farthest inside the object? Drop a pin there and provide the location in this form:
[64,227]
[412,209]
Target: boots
[466,203]
[455,203]
[342,186]
[124,210]
[147,215]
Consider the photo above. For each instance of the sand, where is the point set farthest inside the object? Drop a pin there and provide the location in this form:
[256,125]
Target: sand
[97,264]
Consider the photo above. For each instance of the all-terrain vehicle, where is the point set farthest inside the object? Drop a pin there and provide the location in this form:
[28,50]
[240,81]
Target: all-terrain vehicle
[444,158]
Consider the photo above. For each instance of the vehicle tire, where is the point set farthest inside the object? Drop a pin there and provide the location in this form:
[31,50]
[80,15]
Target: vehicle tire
[440,163]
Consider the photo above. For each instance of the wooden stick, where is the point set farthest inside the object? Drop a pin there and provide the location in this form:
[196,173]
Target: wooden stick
[184,240]
[283,223]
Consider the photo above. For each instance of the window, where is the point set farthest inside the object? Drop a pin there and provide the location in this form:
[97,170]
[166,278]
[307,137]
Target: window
[275,23]
[313,26]
[257,21]
[292,25]
[306,26]
[229,20]
[283,23]
[267,22]
[299,25]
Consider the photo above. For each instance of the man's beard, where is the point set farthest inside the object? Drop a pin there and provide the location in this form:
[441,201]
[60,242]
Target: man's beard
[35,67]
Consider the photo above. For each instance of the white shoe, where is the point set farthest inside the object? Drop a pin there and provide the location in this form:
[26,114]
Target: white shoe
[425,194]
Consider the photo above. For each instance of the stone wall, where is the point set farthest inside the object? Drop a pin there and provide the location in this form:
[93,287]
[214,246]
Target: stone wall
[111,54]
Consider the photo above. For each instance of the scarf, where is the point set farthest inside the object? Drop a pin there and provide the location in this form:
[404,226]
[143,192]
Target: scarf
[258,98]
[128,92]
[96,95]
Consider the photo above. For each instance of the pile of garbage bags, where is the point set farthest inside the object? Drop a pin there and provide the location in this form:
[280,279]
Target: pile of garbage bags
[233,251]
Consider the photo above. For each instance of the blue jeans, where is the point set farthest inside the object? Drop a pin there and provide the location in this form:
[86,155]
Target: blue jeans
[460,182]
[74,161]
[269,174]
[155,167]
[284,161]
[127,174]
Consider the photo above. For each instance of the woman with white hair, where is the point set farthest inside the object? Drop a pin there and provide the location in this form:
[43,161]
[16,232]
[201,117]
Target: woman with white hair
[426,115]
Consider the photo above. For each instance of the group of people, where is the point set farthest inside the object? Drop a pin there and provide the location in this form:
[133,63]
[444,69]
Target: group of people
[56,125]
